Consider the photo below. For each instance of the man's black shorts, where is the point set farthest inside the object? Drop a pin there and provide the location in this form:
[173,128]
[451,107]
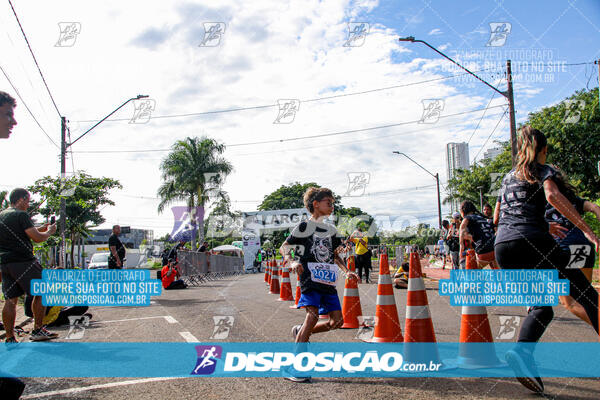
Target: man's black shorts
[16,277]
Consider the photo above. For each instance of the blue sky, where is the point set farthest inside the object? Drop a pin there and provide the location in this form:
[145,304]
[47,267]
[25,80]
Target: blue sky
[273,51]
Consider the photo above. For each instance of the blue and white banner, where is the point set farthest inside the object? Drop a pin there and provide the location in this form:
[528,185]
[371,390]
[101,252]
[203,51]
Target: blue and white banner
[509,287]
[276,359]
[106,287]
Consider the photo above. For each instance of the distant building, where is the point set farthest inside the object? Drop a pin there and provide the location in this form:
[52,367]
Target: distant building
[131,240]
[492,153]
[457,157]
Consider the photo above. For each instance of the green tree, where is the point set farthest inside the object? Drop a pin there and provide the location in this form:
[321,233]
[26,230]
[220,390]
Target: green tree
[573,131]
[291,196]
[191,172]
[85,196]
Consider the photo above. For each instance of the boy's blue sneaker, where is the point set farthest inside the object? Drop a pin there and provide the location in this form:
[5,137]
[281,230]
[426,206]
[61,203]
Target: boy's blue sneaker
[291,374]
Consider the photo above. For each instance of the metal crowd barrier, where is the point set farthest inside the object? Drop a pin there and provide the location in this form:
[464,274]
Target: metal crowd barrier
[197,268]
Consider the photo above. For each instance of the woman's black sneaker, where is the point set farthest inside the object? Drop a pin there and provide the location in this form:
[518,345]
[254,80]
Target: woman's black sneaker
[526,373]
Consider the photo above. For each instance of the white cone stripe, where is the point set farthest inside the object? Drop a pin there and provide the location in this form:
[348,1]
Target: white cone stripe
[415,284]
[284,280]
[385,279]
[474,310]
[417,312]
[385,300]
[350,292]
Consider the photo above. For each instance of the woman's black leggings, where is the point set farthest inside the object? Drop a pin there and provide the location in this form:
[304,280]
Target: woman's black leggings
[544,253]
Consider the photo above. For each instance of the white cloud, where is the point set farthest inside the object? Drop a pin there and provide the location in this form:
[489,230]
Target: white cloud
[436,31]
[288,50]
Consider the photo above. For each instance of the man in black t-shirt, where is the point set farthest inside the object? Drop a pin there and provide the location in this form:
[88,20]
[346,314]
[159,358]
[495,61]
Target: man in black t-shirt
[117,250]
[18,264]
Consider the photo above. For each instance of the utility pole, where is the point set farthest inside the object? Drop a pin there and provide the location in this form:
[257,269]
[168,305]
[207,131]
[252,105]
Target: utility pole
[511,111]
[597,62]
[508,94]
[63,155]
[437,179]
[62,262]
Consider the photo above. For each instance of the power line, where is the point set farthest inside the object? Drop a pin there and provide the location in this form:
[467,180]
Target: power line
[235,109]
[27,107]
[482,115]
[488,138]
[300,137]
[355,140]
[34,59]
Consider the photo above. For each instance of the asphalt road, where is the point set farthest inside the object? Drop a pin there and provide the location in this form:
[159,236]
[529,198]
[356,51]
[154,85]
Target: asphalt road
[187,315]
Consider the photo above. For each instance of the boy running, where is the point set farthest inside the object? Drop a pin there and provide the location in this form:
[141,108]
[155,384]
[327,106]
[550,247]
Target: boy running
[318,247]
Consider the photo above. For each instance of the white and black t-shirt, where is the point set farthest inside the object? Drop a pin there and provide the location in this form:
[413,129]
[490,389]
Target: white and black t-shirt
[315,242]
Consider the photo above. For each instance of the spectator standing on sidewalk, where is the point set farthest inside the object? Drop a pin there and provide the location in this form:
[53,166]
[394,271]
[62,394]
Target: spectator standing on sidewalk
[117,250]
[18,264]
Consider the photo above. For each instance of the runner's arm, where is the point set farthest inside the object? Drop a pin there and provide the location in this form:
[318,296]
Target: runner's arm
[462,234]
[564,206]
[588,206]
[497,213]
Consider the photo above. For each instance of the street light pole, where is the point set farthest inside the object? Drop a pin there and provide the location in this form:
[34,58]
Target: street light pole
[64,146]
[508,94]
[437,179]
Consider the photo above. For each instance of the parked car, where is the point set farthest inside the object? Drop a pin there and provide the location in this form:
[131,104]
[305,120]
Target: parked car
[98,261]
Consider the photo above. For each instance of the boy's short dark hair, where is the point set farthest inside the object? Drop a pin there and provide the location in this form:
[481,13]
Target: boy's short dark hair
[315,194]
[6,98]
[487,205]
[17,194]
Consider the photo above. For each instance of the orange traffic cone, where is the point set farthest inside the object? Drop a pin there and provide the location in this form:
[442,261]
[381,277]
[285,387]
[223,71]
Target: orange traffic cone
[267,272]
[387,328]
[274,288]
[286,285]
[419,336]
[298,291]
[419,326]
[475,328]
[270,268]
[351,308]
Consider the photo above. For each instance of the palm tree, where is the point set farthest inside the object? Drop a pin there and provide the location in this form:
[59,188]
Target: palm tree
[190,172]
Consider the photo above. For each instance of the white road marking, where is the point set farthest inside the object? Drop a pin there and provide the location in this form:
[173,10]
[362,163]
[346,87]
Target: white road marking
[168,318]
[189,337]
[93,387]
